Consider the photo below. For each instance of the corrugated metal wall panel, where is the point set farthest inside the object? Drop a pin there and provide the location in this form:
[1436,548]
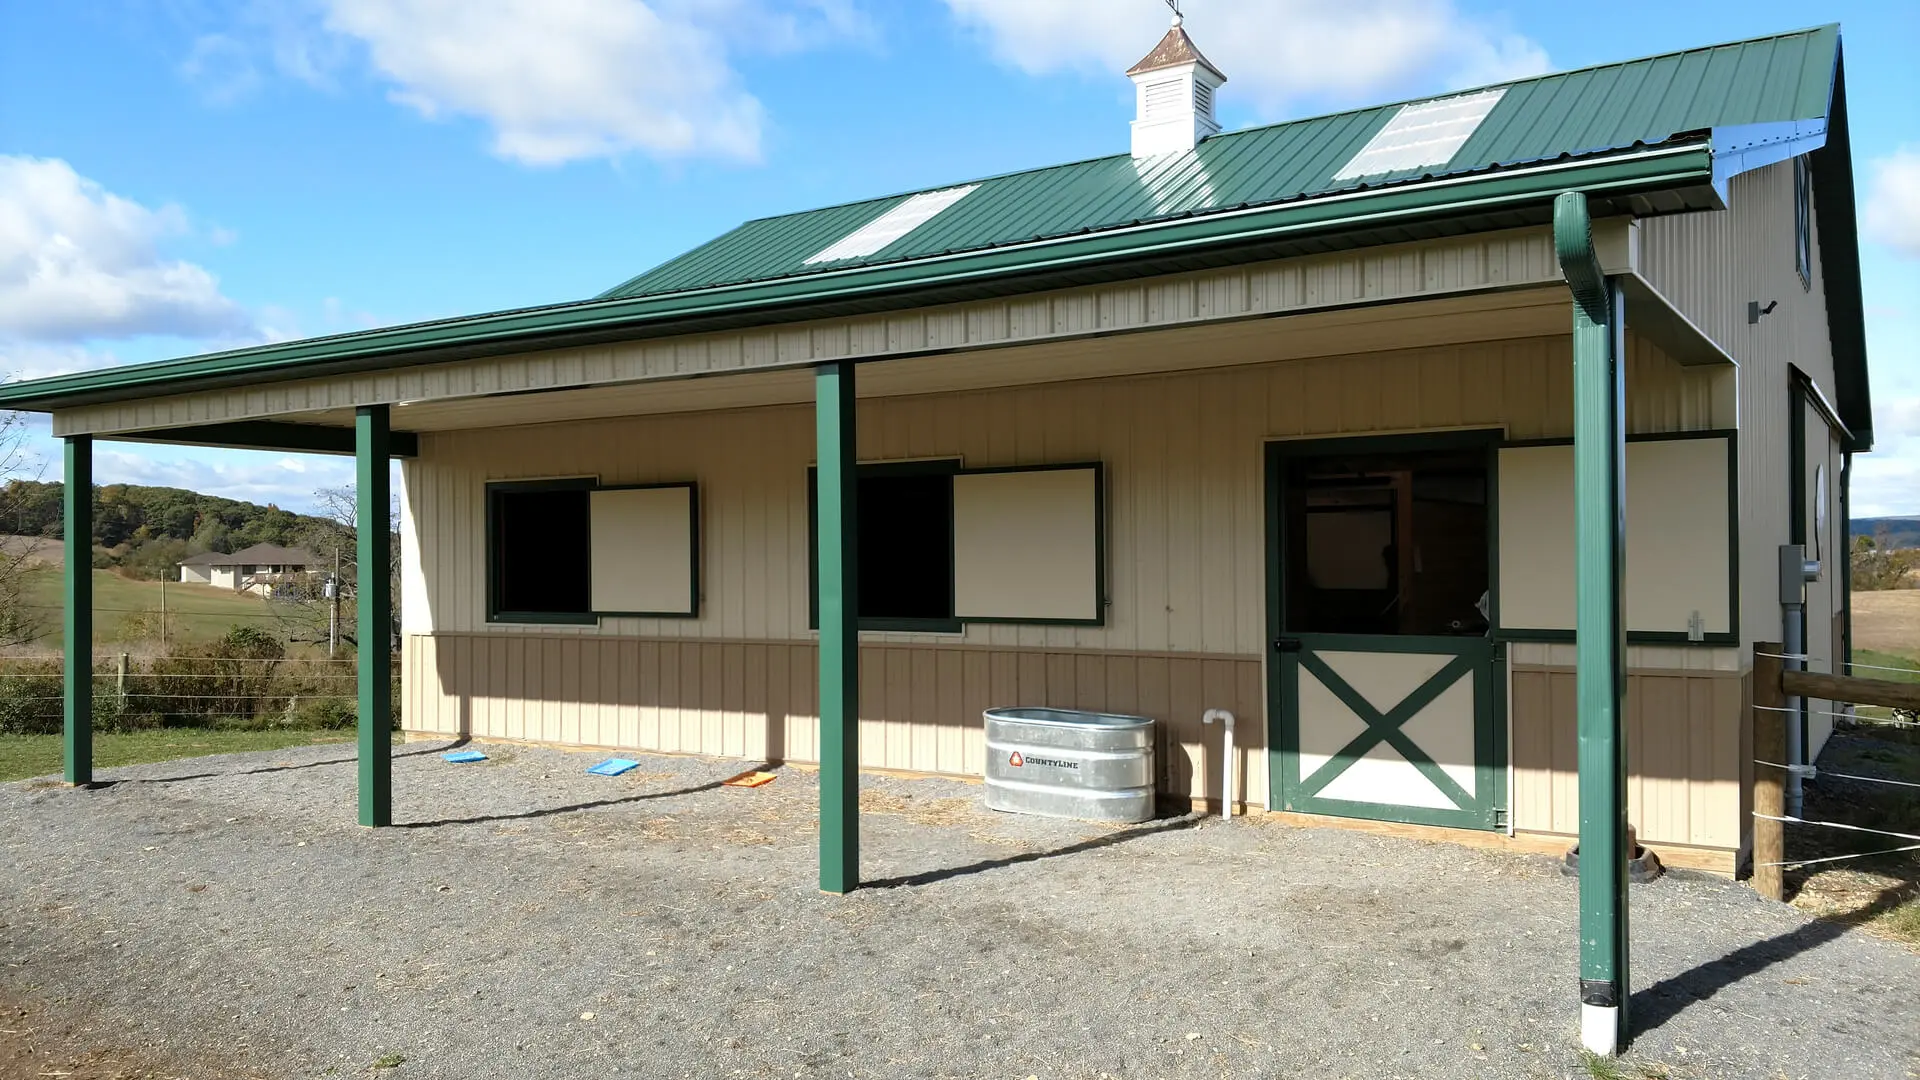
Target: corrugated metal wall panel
[1186,528]
[755,699]
[1711,265]
[1684,737]
[1183,454]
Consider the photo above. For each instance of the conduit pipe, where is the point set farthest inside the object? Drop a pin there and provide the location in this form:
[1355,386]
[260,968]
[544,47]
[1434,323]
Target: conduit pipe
[1228,787]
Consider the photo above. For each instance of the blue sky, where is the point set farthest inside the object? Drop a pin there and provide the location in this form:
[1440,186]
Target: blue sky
[183,175]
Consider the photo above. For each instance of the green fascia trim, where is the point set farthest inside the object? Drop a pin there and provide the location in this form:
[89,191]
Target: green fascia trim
[1127,252]
[271,435]
[1834,211]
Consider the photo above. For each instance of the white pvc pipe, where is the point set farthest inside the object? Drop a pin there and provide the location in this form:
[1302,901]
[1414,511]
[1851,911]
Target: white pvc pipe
[1226,758]
[1600,1029]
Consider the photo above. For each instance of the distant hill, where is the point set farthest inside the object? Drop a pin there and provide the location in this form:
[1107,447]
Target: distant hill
[130,513]
[1897,531]
[145,531]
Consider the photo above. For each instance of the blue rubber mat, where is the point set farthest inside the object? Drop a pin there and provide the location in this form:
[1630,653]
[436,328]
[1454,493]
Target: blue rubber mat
[613,767]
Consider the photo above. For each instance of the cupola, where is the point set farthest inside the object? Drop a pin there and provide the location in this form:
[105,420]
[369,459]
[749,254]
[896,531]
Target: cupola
[1173,90]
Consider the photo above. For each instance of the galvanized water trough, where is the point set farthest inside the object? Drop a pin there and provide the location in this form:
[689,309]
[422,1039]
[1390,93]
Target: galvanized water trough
[1070,764]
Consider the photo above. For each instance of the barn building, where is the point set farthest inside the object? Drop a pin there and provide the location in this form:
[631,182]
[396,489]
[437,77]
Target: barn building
[1280,421]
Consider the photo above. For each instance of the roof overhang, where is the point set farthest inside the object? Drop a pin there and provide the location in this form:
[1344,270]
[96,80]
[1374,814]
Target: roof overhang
[1670,178]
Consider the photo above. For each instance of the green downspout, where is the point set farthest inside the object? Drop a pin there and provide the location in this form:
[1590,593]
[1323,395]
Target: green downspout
[77,506]
[372,439]
[1599,448]
[837,573]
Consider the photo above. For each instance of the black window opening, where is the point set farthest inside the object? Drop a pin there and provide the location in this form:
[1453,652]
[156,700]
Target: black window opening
[1389,544]
[539,553]
[905,546]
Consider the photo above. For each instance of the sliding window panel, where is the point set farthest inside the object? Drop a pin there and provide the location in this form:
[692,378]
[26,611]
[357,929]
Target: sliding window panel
[1029,545]
[1679,581]
[646,550]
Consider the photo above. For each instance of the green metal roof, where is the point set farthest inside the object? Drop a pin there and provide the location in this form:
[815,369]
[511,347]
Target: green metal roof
[1657,135]
[1612,107]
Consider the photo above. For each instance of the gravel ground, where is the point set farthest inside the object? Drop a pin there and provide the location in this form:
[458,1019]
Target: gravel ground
[225,915]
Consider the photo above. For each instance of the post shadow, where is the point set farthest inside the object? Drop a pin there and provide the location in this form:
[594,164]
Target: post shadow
[1668,998]
[928,877]
[551,811]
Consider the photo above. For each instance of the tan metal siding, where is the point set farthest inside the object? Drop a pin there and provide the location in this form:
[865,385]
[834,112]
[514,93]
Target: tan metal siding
[1408,271]
[755,700]
[1182,453]
[1684,745]
[1711,265]
[1186,628]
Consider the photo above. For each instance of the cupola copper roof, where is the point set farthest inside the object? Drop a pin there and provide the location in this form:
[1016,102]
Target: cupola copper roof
[1174,49]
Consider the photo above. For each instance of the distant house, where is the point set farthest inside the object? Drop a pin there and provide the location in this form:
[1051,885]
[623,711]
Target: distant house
[262,568]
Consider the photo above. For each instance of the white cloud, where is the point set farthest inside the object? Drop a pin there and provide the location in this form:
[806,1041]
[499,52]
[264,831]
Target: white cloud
[1886,482]
[555,80]
[1892,211]
[250,476]
[559,80]
[1277,54]
[22,360]
[79,262]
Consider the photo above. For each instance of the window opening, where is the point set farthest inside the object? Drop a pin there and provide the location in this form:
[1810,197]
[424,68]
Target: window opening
[1388,544]
[540,554]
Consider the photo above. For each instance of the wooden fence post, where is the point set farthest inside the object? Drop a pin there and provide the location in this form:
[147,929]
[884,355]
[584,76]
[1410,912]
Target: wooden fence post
[1769,783]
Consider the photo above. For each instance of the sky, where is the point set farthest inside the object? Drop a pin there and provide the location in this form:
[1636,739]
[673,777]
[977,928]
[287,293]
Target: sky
[181,176]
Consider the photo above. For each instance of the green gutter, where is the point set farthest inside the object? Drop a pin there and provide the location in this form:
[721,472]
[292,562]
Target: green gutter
[867,289]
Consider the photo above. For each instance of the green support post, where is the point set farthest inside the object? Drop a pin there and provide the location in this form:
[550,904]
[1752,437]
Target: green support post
[1599,452]
[374,592]
[77,676]
[837,573]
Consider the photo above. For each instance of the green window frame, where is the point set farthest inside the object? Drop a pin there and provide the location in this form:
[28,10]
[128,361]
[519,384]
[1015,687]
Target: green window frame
[497,495]
[956,623]
[946,467]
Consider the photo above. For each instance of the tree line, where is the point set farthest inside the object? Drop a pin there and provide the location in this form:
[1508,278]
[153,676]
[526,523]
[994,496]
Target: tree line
[145,531]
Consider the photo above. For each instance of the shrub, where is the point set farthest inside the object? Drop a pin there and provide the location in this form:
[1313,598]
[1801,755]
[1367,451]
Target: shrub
[323,713]
[30,700]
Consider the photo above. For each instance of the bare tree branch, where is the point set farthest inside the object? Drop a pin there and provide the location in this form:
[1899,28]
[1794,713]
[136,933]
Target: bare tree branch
[304,612]
[19,623]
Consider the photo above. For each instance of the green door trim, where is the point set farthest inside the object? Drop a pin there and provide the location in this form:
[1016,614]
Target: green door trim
[1489,669]
[1386,727]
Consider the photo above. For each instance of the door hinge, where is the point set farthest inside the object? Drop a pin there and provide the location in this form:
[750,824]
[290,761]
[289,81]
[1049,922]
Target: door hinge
[1500,819]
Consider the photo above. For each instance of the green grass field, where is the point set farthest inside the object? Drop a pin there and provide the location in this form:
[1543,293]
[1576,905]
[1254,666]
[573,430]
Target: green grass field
[23,756]
[1886,660]
[128,611]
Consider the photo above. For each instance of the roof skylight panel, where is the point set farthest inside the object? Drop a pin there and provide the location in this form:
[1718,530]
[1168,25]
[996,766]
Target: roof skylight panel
[1422,135]
[870,238]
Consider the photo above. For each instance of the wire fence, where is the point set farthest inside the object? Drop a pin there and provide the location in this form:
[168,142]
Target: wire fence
[1851,714]
[200,687]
